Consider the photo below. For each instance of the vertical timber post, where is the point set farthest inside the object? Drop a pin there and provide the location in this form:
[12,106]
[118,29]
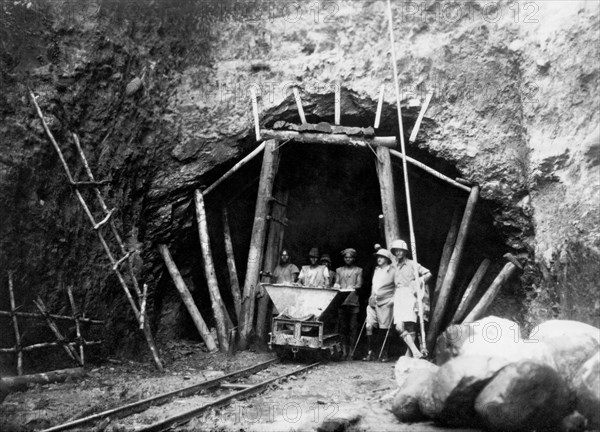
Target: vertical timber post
[274,239]
[234,282]
[388,197]
[445,290]
[257,241]
[445,259]
[218,308]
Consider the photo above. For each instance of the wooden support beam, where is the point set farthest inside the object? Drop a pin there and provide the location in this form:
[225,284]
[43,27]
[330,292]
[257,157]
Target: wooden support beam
[255,112]
[338,102]
[75,310]
[470,292]
[188,301]
[234,283]
[143,306]
[446,289]
[431,171]
[481,307]
[379,107]
[417,126]
[323,138]
[53,316]
[446,254]
[48,345]
[235,168]
[299,105]
[274,239]
[388,195]
[218,308]
[257,240]
[21,382]
[13,308]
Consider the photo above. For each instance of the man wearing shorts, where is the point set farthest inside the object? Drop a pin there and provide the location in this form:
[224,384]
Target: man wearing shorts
[408,278]
[380,308]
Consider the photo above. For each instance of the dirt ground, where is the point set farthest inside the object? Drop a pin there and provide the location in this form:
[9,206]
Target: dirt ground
[357,391]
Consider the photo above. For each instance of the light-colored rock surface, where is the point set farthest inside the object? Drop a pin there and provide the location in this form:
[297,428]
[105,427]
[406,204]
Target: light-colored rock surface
[405,405]
[587,390]
[523,396]
[406,366]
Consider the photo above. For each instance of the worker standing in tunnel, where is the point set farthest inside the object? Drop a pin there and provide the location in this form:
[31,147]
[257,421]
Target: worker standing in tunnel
[314,274]
[285,272]
[326,261]
[380,308]
[348,277]
[408,281]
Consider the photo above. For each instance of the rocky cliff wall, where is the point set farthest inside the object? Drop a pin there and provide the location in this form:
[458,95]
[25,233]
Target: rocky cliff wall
[515,109]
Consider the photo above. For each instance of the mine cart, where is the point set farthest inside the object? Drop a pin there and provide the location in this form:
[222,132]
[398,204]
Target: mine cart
[306,319]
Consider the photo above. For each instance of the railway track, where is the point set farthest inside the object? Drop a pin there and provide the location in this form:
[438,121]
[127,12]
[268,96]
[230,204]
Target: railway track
[178,407]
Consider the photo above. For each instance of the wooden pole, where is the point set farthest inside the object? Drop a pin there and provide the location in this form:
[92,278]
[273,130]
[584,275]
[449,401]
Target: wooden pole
[470,292]
[210,274]
[323,138]
[77,325]
[234,282]
[235,168]
[21,382]
[431,171]
[48,345]
[379,107]
[417,126]
[446,254]
[257,240]
[59,337]
[388,195]
[446,289]
[255,112]
[15,322]
[338,102]
[187,298]
[299,105]
[274,239]
[53,316]
[507,271]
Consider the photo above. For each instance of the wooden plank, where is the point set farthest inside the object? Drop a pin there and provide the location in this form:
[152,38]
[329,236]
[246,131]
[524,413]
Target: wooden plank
[446,254]
[272,252]
[338,102]
[188,301]
[218,308]
[388,195]
[235,168]
[234,283]
[417,126]
[379,107]
[493,290]
[255,113]
[446,289]
[299,105]
[470,292]
[257,240]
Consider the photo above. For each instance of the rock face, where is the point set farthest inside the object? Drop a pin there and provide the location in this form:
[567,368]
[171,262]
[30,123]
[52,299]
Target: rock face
[587,391]
[413,377]
[571,344]
[523,396]
[455,387]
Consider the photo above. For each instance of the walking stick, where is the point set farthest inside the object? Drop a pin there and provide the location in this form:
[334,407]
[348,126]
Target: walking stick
[385,340]
[358,338]
[413,245]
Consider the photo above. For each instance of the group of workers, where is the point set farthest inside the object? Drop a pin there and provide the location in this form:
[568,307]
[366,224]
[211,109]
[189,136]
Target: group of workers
[398,289]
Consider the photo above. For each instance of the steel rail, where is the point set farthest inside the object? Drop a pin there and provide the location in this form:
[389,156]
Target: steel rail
[141,405]
[182,418]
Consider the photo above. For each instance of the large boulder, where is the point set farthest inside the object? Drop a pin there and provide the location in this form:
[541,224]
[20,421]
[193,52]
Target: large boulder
[493,337]
[571,344]
[526,395]
[587,391]
[413,376]
[450,398]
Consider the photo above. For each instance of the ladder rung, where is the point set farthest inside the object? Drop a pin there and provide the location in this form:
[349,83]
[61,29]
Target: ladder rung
[105,220]
[122,260]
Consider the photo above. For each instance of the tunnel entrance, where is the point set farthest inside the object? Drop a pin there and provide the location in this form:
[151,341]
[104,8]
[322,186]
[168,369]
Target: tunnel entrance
[334,202]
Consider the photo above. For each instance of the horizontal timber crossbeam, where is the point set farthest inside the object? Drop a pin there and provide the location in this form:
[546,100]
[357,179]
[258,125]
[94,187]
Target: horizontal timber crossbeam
[341,139]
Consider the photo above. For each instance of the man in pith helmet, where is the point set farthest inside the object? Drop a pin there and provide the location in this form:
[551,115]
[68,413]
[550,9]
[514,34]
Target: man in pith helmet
[315,274]
[348,277]
[380,308]
[408,280]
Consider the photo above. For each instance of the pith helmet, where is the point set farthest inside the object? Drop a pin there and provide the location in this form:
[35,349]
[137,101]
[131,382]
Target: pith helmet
[314,252]
[384,253]
[399,244]
[349,251]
